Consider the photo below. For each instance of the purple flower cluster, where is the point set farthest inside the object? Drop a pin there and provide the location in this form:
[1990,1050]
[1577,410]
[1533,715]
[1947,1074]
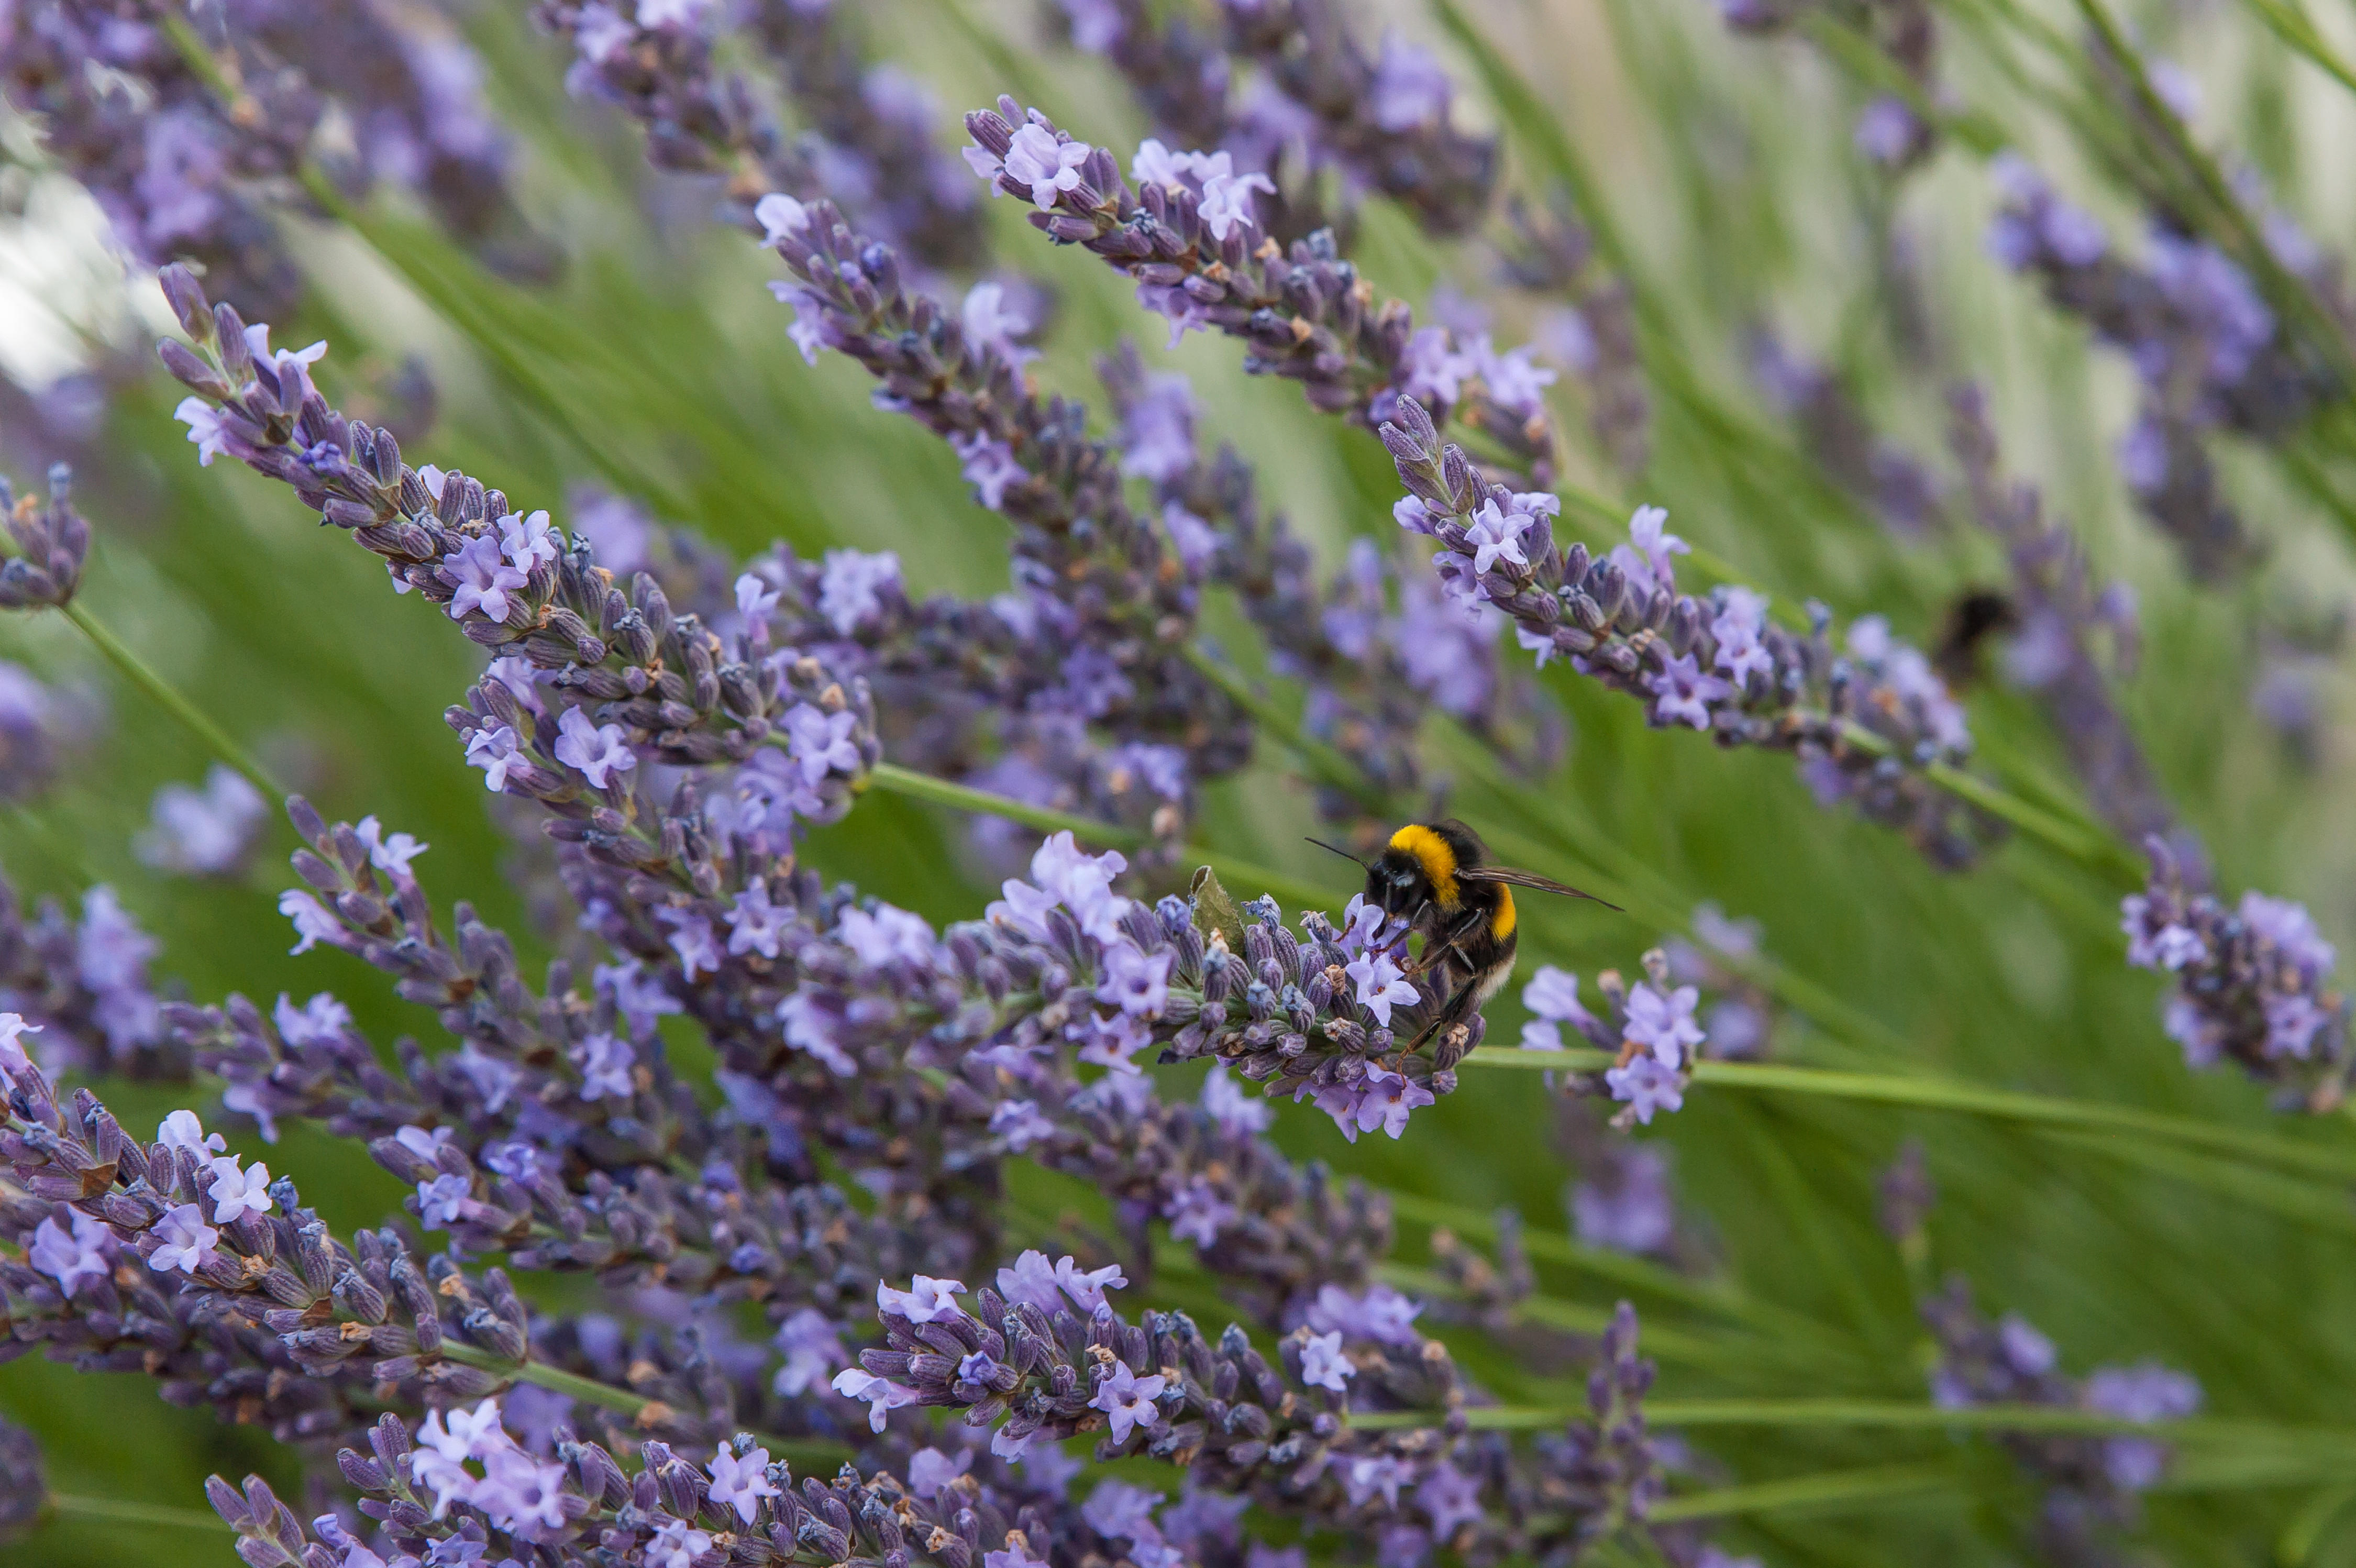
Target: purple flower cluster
[2205,345]
[1329,1016]
[52,542]
[655,63]
[1089,655]
[193,156]
[1650,1027]
[1190,237]
[1902,493]
[1587,325]
[206,832]
[869,145]
[80,990]
[1044,1356]
[177,1257]
[2252,983]
[2090,1484]
[1318,101]
[1903,32]
[2063,620]
[1863,725]
[585,677]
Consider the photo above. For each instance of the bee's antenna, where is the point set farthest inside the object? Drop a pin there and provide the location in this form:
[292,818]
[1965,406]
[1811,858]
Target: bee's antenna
[1337,849]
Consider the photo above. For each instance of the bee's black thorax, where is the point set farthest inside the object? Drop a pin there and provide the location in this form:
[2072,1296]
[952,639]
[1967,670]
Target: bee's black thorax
[1417,879]
[1437,880]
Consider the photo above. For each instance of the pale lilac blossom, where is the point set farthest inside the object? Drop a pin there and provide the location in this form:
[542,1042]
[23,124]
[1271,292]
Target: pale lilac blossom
[238,1190]
[1127,1401]
[881,1394]
[926,1299]
[741,1481]
[595,751]
[1323,1364]
[187,1241]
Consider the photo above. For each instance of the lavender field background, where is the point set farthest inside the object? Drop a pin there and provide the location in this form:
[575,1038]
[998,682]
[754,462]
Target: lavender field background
[1999,1213]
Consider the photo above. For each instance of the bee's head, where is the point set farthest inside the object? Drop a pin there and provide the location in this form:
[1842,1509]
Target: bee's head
[1397,884]
[1399,879]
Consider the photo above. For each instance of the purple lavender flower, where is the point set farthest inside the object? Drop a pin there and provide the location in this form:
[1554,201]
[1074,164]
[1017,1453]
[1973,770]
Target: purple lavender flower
[1646,1085]
[1621,621]
[2206,348]
[1552,995]
[1127,1401]
[203,832]
[52,540]
[24,1485]
[2147,1392]
[1220,274]
[70,1257]
[2091,1482]
[1663,1024]
[1323,1364]
[2066,619]
[2251,983]
[1623,1202]
[1380,985]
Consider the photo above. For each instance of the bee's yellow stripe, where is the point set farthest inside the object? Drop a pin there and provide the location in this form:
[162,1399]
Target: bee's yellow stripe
[1501,924]
[1439,861]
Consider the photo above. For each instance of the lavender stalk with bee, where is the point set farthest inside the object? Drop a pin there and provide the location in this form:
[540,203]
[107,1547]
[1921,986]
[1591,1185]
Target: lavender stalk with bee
[1436,880]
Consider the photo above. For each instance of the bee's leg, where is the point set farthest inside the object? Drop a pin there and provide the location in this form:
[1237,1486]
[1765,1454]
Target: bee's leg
[1463,1002]
[1444,943]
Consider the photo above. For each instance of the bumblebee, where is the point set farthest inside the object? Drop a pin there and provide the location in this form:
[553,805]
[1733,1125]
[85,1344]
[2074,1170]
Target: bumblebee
[1977,615]
[1438,879]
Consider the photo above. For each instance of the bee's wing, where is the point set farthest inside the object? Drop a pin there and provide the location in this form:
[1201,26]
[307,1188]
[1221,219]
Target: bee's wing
[1507,874]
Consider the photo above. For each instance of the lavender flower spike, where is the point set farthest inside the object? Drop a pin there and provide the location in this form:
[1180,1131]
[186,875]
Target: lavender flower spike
[1862,724]
[52,542]
[2252,984]
[24,1485]
[2091,1484]
[1201,258]
[2205,345]
[1650,1027]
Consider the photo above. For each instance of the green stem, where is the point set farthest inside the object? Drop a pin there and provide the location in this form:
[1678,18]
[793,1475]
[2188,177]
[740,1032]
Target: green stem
[1331,766]
[1895,1415]
[1941,1094]
[139,673]
[1671,1346]
[1833,1489]
[2289,22]
[1617,1268]
[110,1510]
[2284,287]
[2300,1537]
[917,786]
